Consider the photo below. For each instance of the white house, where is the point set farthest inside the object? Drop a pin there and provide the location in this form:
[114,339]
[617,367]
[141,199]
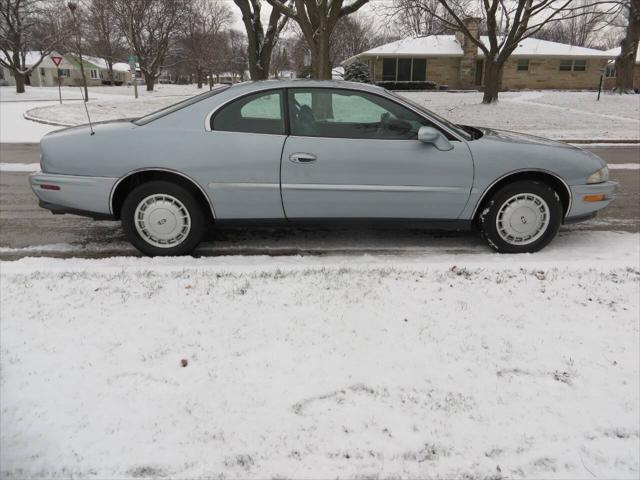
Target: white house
[99,71]
[45,75]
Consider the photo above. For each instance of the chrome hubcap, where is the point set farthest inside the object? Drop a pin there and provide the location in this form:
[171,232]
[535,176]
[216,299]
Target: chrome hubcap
[162,220]
[522,219]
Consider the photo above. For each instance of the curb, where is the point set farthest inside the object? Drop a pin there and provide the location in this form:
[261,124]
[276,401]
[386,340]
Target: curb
[31,118]
[620,141]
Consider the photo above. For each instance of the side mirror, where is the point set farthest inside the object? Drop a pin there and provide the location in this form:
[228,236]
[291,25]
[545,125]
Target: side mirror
[434,137]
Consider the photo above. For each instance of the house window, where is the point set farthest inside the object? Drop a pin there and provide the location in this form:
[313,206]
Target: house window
[41,72]
[389,69]
[523,65]
[419,72]
[93,73]
[610,71]
[404,69]
[579,65]
[565,65]
[64,72]
[575,65]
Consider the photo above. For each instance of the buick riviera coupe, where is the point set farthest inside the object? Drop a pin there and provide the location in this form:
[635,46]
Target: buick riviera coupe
[305,150]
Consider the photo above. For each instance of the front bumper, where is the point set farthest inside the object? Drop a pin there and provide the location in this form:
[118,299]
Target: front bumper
[88,196]
[582,209]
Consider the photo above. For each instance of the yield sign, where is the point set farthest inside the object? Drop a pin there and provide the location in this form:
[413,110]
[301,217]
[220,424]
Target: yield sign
[55,59]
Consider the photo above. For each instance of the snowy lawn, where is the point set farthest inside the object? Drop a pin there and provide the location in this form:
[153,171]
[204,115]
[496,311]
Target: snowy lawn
[551,114]
[105,103]
[8,94]
[469,366]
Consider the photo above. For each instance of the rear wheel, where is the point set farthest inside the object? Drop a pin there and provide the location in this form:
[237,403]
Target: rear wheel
[521,217]
[162,218]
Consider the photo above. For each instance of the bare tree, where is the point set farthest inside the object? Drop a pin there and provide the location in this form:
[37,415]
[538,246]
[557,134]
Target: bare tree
[625,62]
[353,34]
[409,17]
[577,29]
[27,25]
[234,54]
[507,24]
[260,44]
[280,60]
[317,20]
[103,38]
[149,26]
[201,42]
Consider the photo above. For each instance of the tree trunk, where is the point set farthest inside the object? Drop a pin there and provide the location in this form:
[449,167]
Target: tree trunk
[625,63]
[19,82]
[320,58]
[492,81]
[199,76]
[149,80]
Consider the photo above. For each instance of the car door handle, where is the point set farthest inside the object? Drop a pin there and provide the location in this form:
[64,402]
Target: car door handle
[302,157]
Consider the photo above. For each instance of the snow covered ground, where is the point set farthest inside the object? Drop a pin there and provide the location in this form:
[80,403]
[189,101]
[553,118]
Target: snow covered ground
[14,128]
[463,365]
[553,114]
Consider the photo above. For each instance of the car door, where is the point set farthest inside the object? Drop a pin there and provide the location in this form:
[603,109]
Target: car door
[245,142]
[354,154]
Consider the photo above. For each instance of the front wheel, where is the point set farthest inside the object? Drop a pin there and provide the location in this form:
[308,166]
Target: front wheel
[521,217]
[163,218]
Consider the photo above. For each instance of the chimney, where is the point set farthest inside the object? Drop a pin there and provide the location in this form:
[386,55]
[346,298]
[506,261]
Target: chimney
[467,72]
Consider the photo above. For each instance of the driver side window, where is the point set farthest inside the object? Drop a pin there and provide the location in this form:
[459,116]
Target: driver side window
[336,113]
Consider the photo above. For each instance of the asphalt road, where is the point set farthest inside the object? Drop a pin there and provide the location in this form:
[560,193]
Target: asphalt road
[26,229]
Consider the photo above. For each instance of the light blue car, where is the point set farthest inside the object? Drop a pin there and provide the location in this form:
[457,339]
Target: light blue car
[303,150]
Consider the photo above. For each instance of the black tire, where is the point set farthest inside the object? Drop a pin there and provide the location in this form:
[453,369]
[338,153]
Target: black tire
[489,213]
[198,222]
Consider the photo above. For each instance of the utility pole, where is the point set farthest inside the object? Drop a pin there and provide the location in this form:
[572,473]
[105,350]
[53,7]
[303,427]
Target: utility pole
[73,7]
[132,62]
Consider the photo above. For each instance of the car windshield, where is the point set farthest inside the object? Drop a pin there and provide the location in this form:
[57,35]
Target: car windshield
[177,106]
[451,126]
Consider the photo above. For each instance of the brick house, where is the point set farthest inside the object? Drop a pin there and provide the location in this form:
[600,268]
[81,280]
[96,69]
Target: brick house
[455,61]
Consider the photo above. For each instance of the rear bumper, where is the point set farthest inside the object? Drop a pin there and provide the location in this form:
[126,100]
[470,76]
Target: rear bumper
[582,209]
[88,196]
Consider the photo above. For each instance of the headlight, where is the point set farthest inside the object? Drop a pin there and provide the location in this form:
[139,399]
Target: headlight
[600,176]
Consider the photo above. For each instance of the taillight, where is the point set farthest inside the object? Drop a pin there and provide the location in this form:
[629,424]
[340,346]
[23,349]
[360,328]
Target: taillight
[46,186]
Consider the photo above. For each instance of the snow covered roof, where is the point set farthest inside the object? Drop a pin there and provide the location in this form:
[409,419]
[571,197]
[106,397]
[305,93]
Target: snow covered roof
[614,52]
[97,61]
[448,46]
[121,67]
[102,63]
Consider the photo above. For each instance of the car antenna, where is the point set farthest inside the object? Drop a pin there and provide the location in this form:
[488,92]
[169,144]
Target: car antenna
[87,110]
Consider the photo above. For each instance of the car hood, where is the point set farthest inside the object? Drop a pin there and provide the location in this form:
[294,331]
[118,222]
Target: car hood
[522,138]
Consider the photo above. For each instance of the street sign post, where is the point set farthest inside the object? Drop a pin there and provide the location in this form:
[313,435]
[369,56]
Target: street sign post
[132,66]
[57,60]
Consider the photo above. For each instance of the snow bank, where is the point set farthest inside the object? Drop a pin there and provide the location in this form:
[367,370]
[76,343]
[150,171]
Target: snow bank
[439,365]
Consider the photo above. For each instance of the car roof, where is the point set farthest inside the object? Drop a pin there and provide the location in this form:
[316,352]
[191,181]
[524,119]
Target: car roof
[258,85]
